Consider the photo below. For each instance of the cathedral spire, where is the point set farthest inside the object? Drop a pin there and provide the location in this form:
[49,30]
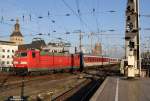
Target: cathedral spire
[17,26]
[16,31]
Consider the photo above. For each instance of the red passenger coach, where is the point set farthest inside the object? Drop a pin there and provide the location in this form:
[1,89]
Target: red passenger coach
[90,60]
[35,60]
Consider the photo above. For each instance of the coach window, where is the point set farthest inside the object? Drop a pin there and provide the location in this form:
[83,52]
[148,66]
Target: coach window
[86,59]
[33,55]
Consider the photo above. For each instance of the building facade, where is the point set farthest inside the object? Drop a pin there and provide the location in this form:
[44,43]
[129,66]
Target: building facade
[57,47]
[7,51]
[16,36]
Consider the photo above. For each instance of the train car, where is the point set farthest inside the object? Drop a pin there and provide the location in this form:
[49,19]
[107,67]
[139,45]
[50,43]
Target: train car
[114,60]
[91,60]
[35,60]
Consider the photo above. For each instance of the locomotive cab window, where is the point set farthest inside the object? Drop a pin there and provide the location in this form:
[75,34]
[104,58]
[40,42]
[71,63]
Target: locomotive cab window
[33,54]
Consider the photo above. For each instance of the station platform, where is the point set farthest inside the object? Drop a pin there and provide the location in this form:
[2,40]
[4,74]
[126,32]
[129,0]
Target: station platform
[122,89]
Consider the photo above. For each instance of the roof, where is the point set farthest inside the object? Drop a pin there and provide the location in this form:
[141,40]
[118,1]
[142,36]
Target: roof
[7,42]
[39,42]
[34,45]
[16,34]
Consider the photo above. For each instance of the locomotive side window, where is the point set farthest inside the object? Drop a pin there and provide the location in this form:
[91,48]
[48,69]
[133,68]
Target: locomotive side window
[33,54]
[23,54]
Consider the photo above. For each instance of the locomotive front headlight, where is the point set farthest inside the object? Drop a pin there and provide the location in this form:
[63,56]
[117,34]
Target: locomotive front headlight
[15,62]
[23,62]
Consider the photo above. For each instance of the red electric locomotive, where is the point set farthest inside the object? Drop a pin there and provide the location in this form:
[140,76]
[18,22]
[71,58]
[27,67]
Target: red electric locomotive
[35,60]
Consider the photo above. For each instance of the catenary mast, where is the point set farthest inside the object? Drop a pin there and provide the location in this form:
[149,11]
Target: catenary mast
[132,40]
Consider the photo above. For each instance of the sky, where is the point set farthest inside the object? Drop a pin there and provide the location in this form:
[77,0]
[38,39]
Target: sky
[49,17]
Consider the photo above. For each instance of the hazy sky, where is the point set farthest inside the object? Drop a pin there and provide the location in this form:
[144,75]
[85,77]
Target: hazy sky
[60,16]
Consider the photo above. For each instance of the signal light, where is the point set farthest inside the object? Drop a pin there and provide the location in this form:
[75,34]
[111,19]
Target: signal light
[131,44]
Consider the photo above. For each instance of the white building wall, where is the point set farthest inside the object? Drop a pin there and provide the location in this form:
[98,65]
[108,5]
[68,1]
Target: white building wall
[6,55]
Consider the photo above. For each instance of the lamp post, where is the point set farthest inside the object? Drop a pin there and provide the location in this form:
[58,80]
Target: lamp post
[67,33]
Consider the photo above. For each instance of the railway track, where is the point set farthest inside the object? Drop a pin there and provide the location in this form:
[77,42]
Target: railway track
[81,92]
[13,79]
[43,84]
[85,90]
[70,92]
[6,85]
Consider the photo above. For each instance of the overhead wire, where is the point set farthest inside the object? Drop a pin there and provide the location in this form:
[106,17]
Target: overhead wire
[79,12]
[39,17]
[77,15]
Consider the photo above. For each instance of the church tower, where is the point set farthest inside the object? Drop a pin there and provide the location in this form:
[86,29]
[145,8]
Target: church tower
[16,36]
[97,49]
